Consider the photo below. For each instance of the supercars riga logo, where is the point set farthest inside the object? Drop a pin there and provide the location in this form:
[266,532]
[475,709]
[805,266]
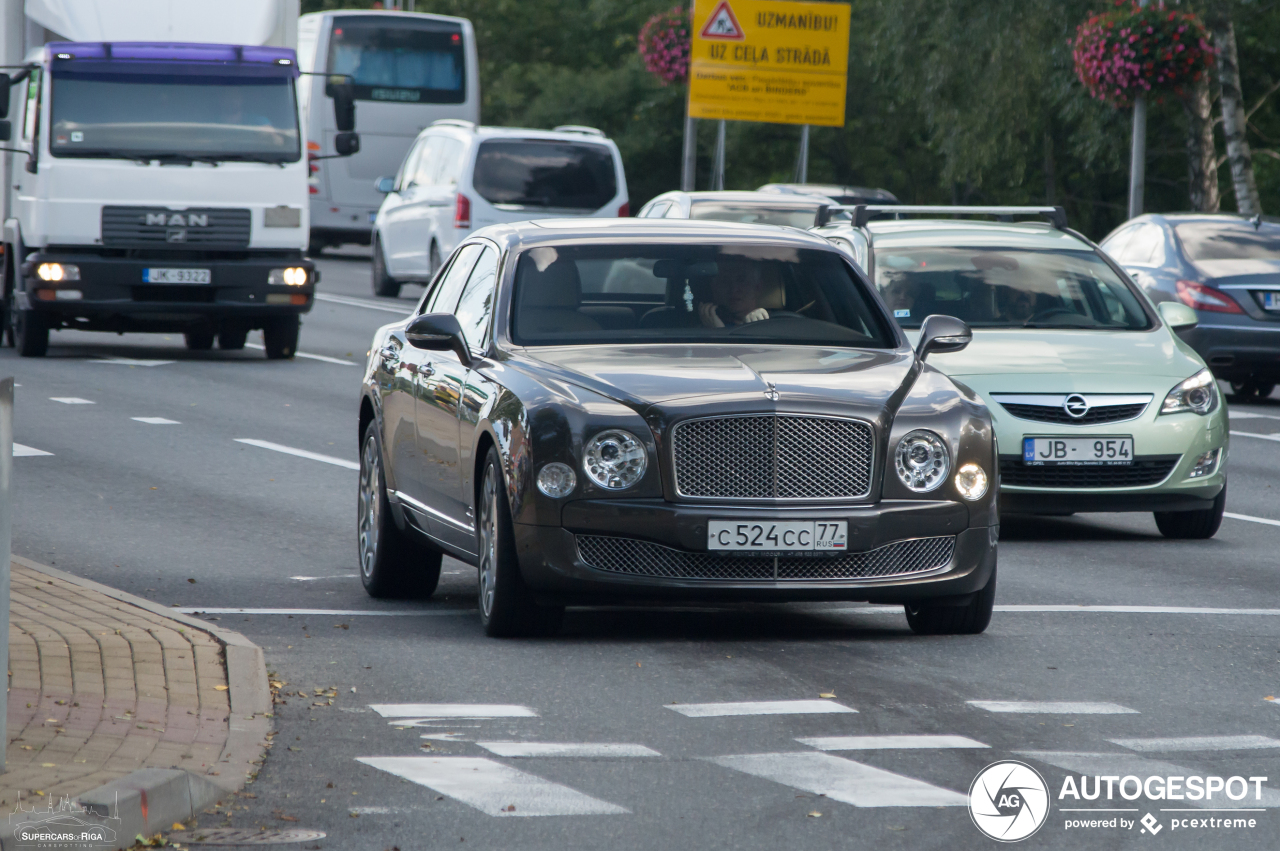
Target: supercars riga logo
[723,24]
[1009,801]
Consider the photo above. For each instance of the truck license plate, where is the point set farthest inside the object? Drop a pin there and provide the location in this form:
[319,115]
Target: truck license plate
[778,536]
[1077,451]
[176,276]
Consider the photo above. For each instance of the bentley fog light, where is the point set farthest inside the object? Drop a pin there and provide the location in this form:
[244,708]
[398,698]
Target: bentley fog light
[614,459]
[557,480]
[1205,464]
[971,481]
[922,460]
[294,276]
[58,272]
[1198,394]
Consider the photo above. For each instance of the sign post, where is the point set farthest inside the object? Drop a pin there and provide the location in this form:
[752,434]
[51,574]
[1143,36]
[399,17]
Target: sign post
[6,525]
[775,61]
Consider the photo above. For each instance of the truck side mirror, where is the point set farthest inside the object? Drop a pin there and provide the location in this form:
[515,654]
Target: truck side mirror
[346,144]
[344,104]
[5,82]
[6,131]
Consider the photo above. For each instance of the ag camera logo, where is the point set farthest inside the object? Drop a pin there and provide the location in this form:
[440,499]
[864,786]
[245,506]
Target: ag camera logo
[1009,801]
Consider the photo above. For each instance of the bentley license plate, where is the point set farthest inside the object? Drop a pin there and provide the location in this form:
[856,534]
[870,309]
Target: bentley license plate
[1077,451]
[176,276]
[778,536]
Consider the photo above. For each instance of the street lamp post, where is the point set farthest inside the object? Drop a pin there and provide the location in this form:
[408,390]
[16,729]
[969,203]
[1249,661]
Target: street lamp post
[1138,155]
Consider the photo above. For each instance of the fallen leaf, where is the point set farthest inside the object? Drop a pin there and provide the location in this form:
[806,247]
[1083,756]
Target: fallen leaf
[177,825]
[354,815]
[48,765]
[192,581]
[341,626]
[827,694]
[509,808]
[328,785]
[288,818]
[815,814]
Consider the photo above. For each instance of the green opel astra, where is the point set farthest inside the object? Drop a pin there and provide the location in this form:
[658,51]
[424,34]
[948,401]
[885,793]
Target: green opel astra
[1098,404]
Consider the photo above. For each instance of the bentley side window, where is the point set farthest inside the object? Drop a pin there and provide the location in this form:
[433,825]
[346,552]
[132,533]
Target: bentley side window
[476,304]
[445,297]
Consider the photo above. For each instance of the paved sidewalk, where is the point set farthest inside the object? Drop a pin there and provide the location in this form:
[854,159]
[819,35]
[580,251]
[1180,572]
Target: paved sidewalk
[103,684]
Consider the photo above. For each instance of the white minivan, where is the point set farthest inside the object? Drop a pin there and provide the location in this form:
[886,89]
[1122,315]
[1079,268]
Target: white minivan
[458,177]
[407,70]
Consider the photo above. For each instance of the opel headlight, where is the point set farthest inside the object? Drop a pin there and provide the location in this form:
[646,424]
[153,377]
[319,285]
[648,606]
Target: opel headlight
[1198,394]
[922,460]
[614,459]
[971,481]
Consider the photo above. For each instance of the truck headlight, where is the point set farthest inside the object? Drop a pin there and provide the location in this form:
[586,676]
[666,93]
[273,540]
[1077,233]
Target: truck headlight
[614,459]
[58,272]
[922,460]
[294,276]
[1198,394]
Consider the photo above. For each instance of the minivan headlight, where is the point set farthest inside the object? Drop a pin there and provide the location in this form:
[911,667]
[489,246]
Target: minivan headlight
[922,460]
[1198,394]
[614,459]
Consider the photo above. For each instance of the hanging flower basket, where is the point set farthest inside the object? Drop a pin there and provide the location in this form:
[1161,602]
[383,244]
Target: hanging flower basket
[1132,50]
[664,45]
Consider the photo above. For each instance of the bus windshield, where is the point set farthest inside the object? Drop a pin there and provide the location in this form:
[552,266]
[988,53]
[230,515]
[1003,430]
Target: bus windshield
[181,117]
[405,60]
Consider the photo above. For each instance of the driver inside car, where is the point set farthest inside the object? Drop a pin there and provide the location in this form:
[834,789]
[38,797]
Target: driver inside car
[742,291]
[1016,304]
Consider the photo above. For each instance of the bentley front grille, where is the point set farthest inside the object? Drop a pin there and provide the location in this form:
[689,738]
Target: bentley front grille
[642,558]
[773,457]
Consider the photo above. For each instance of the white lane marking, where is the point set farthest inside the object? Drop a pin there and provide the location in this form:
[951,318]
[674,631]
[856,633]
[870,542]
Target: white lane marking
[324,358]
[301,453]
[491,787]
[843,780]
[20,451]
[1250,415]
[360,302]
[70,400]
[1124,764]
[760,707]
[155,421]
[1198,743]
[518,750]
[132,361]
[452,710]
[1142,610]
[879,743]
[1275,437]
[1251,519]
[1052,707]
[314,578]
[214,610]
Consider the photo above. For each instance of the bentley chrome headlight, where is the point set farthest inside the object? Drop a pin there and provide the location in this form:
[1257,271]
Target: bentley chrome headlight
[557,480]
[615,459]
[922,460]
[971,481]
[1198,394]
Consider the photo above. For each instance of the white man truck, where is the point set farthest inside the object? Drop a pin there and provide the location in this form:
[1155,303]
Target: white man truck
[157,171]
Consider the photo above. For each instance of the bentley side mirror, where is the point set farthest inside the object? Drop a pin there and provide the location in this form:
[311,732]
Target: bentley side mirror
[385,185]
[346,143]
[942,334]
[438,332]
[1177,315]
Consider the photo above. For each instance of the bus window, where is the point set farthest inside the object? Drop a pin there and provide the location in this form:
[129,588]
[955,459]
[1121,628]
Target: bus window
[421,63]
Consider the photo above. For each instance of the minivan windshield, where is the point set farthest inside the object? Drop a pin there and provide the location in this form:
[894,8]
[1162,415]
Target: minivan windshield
[1229,240]
[399,59]
[732,294]
[186,117]
[545,173]
[1006,288]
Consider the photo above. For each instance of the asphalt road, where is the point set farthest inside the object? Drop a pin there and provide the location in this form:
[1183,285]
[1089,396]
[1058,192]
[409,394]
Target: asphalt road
[183,513]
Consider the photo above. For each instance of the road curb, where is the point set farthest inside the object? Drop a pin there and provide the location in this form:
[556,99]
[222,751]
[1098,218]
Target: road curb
[150,800]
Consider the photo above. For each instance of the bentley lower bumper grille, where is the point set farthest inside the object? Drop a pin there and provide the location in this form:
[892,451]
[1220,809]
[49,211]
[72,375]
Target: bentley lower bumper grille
[642,558]
[1150,470]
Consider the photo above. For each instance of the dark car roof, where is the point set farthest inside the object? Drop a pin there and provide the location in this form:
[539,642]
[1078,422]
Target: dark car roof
[543,231]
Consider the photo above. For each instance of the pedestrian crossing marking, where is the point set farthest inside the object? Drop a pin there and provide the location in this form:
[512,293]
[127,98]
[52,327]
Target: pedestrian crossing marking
[491,787]
[1123,764]
[875,743]
[452,710]
[567,749]
[1198,743]
[762,707]
[843,780]
[1052,707]
[20,451]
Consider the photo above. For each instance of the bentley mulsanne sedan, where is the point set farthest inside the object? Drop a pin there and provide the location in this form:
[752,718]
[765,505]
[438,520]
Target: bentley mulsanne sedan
[626,410]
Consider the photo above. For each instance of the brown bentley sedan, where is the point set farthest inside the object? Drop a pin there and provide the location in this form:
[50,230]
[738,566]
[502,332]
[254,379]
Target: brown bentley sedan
[603,410]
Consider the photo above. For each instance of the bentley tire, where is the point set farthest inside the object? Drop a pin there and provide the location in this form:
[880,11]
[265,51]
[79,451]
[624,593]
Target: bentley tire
[969,618]
[1193,525]
[506,604]
[392,565]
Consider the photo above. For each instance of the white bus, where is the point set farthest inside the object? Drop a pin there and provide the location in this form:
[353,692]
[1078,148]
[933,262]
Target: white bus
[408,70]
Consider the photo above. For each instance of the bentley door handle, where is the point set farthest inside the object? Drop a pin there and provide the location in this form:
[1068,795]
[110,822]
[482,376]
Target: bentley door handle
[427,370]
[390,354]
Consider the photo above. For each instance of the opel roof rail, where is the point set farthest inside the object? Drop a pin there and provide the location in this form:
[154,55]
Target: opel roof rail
[862,213]
[578,128]
[454,122]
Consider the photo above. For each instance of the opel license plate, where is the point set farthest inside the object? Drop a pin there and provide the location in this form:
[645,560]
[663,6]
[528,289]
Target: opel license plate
[176,276]
[1077,451]
[778,536]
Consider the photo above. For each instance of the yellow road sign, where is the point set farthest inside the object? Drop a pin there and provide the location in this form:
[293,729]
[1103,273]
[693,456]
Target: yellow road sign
[769,60]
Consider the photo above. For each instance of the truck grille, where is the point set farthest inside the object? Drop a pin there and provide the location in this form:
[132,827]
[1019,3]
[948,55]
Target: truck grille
[773,457]
[1148,470]
[642,558]
[157,227]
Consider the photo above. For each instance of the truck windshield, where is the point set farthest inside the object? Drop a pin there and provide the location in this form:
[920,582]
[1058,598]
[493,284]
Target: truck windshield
[181,117]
